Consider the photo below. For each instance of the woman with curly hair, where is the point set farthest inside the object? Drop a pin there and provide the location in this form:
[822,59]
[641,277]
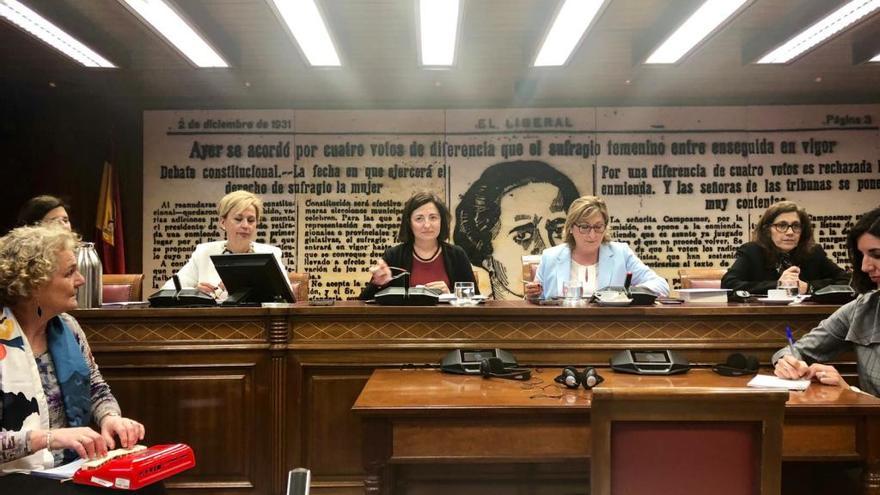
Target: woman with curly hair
[56,405]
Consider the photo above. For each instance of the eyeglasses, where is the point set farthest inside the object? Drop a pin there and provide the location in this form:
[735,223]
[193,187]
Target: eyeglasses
[782,227]
[585,228]
[420,220]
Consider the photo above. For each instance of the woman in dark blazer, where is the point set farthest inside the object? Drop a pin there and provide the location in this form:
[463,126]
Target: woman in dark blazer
[783,249]
[423,251]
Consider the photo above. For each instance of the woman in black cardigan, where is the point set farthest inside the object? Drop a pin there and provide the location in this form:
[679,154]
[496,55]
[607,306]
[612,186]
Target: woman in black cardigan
[783,249]
[423,251]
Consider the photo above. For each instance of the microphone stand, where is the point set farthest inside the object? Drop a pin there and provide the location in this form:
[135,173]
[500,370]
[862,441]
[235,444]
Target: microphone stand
[177,287]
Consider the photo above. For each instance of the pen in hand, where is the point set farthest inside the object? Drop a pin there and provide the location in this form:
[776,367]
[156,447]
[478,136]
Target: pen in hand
[790,342]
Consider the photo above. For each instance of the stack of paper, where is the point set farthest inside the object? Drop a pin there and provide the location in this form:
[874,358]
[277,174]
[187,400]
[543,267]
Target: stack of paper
[770,381]
[704,295]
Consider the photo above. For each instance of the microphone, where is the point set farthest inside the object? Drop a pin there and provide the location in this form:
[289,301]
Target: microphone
[299,481]
[176,280]
[405,274]
[628,281]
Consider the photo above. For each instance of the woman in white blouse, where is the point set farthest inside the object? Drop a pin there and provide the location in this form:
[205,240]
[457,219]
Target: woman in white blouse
[240,213]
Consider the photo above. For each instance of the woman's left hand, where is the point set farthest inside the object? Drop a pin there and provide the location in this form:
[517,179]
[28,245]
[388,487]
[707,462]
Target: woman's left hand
[803,287]
[438,285]
[827,375]
[128,430]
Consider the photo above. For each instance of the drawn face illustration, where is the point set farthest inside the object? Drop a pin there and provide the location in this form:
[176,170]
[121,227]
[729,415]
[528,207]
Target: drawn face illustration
[531,220]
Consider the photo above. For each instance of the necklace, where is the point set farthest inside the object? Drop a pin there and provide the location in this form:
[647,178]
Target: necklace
[226,249]
[429,258]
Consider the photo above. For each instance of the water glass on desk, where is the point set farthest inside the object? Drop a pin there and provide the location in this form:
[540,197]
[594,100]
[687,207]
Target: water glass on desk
[790,287]
[572,293]
[464,294]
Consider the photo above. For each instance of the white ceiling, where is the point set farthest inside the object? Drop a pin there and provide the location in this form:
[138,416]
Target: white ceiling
[497,42]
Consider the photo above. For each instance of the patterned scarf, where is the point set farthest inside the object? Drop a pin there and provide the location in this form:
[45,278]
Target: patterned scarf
[24,403]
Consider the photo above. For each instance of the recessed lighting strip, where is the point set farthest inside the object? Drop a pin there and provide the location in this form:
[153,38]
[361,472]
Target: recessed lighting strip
[695,29]
[438,27]
[305,23]
[567,30]
[171,26]
[37,25]
[833,23]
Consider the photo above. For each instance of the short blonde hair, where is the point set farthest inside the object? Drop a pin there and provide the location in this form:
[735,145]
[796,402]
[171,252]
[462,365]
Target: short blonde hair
[239,200]
[29,258]
[585,206]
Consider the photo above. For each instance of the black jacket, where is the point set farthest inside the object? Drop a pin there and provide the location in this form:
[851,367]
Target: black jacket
[750,271]
[458,267]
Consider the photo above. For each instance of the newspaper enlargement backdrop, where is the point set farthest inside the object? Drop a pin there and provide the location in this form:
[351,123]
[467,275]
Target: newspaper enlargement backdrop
[684,185]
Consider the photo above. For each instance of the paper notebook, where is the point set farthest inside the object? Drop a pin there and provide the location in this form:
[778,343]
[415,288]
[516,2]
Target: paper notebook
[62,472]
[770,381]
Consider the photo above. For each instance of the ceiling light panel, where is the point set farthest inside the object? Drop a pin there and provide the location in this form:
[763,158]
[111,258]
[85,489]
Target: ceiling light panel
[438,28]
[35,24]
[305,23]
[567,30]
[705,20]
[166,21]
[825,28]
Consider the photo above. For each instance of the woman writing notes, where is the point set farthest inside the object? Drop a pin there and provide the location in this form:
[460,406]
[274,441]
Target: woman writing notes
[56,405]
[782,254]
[240,213]
[855,327]
[423,251]
[590,257]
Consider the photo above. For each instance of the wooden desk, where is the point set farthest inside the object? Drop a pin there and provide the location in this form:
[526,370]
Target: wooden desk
[419,416]
[277,384]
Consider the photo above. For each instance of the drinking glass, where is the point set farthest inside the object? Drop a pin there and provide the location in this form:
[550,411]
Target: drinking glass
[464,294]
[790,287]
[572,293]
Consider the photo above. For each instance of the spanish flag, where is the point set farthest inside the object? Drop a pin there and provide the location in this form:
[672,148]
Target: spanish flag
[109,242]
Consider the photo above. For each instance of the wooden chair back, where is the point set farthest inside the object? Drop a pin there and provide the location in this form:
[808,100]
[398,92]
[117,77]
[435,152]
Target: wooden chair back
[686,440]
[120,287]
[701,278]
[530,264]
[299,282]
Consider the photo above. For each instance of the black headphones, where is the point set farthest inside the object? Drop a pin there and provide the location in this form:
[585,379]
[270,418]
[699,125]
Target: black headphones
[572,378]
[493,367]
[737,364]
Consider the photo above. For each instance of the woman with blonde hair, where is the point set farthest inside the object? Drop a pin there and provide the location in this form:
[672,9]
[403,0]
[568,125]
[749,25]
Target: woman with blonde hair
[56,405]
[590,256]
[239,214]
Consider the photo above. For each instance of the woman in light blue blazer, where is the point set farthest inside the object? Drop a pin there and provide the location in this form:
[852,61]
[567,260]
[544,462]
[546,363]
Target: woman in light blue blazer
[590,256]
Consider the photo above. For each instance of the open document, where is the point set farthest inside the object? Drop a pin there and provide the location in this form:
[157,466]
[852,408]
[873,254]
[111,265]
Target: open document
[62,472]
